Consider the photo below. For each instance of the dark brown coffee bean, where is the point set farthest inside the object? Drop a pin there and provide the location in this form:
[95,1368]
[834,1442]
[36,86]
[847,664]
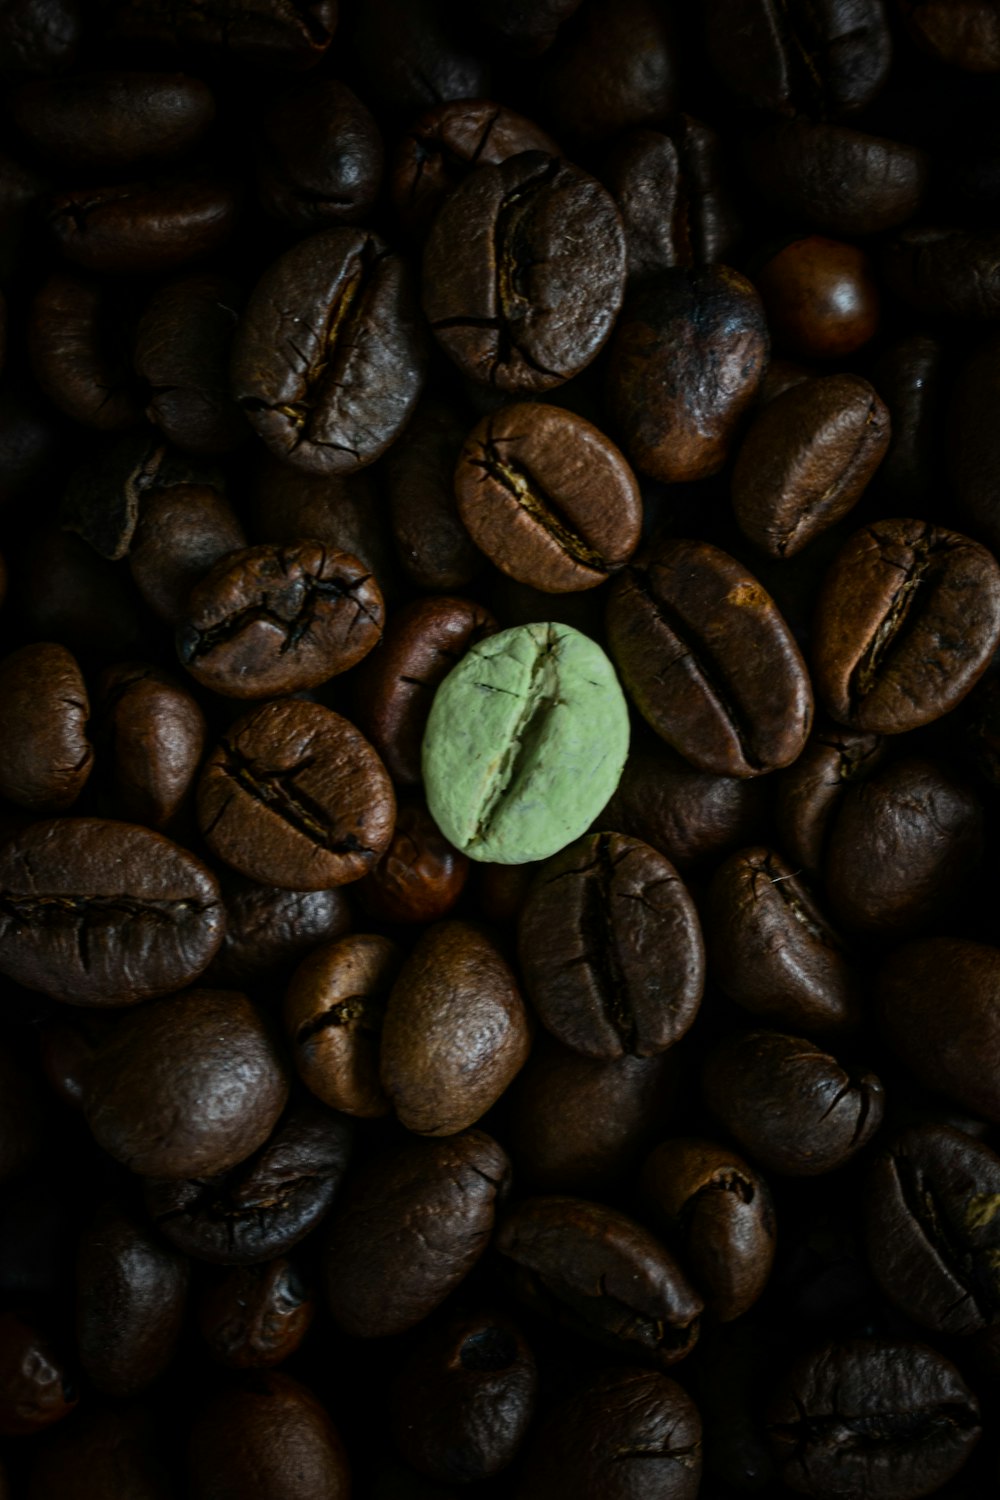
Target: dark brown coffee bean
[444,145]
[424,641]
[320,158]
[344,511]
[182,348]
[255,32]
[791,1107]
[80,352]
[44,714]
[420,876]
[331,384]
[932,1231]
[269,930]
[410,1227]
[266,1439]
[627,1435]
[268,1202]
[610,948]
[334,1010]
[182,533]
[524,273]
[807,460]
[601,1275]
[142,226]
[432,545]
[939,1006]
[295,796]
[708,660]
[102,499]
[810,793]
[910,378]
[106,121]
[189,1084]
[872,1417]
[104,1450]
[548,498]
[455,1033]
[966,34]
[687,357]
[279,620]
[719,1214]
[773,951]
[36,1388]
[821,298]
[907,621]
[256,1316]
[155,735]
[951,272]
[131,1291]
[415,54]
[102,913]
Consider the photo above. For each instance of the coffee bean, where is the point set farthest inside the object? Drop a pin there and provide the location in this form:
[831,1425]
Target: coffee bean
[966,36]
[434,548]
[142,226]
[821,298]
[100,913]
[107,121]
[268,1438]
[320,158]
[155,734]
[910,378]
[256,1316]
[182,346]
[260,32]
[420,877]
[945,271]
[44,713]
[36,1388]
[414,54]
[269,930]
[342,511]
[105,491]
[80,350]
[810,793]
[294,796]
[708,660]
[181,534]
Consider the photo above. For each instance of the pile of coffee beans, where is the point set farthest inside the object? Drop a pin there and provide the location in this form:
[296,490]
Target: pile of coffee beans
[499,749]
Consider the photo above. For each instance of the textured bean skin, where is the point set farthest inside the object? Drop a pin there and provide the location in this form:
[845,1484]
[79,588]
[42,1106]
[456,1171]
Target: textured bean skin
[257,1315]
[100,121]
[44,710]
[267,1439]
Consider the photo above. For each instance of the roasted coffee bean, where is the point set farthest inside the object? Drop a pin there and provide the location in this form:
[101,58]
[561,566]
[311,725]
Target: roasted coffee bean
[821,298]
[131,1291]
[939,1006]
[577,1125]
[455,1032]
[708,660]
[269,930]
[279,620]
[810,793]
[462,1404]
[686,360]
[718,1213]
[627,1435]
[931,1228]
[415,54]
[807,460]
[837,180]
[155,736]
[182,348]
[329,386]
[106,121]
[444,145]
[424,642]
[268,1438]
[260,32]
[334,1010]
[673,198]
[100,913]
[256,1316]
[264,1205]
[829,59]
[105,491]
[44,713]
[907,621]
[872,1416]
[614,68]
[905,849]
[410,1227]
[420,876]
[909,377]
[189,1084]
[791,1107]
[294,796]
[965,35]
[599,1274]
[80,350]
[524,273]
[342,511]
[36,1388]
[320,157]
[68,1043]
[40,36]
[953,272]
[548,498]
[106,1449]
[773,951]
[142,226]
[181,534]
[611,949]
[432,545]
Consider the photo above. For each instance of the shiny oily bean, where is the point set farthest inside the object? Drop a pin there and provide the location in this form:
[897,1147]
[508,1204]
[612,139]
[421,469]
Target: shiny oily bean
[182,533]
[611,949]
[719,1215]
[320,157]
[270,1438]
[251,34]
[270,930]
[44,714]
[807,460]
[708,660]
[334,1010]
[599,1274]
[548,498]
[773,951]
[907,621]
[139,227]
[811,791]
[791,1107]
[154,736]
[821,298]
[420,877]
[256,1316]
[106,121]
[279,620]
